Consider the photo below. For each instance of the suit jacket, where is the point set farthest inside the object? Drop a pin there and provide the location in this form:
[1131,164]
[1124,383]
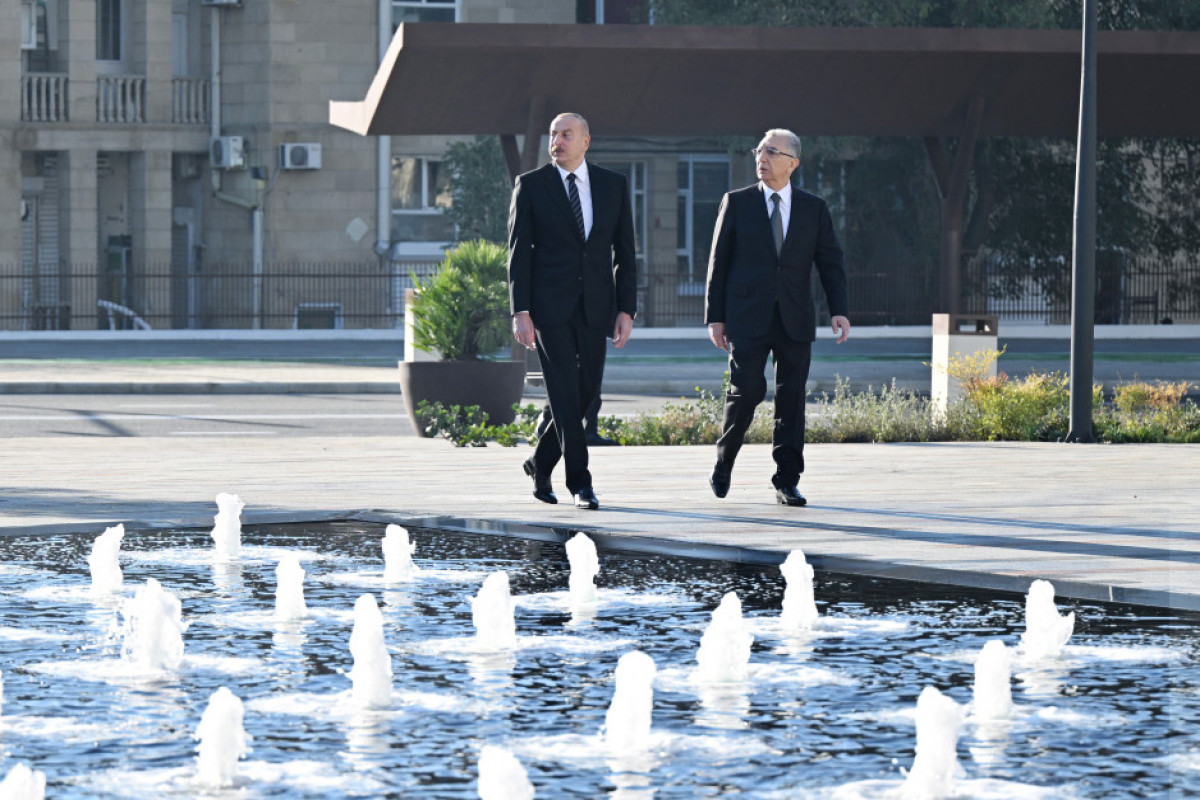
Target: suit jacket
[550,266]
[746,279]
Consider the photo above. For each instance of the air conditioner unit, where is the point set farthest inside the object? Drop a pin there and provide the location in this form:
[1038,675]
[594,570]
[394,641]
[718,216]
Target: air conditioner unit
[225,152]
[226,3]
[300,156]
[28,25]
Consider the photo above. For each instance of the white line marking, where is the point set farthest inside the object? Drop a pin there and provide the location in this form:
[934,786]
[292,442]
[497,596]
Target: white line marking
[223,433]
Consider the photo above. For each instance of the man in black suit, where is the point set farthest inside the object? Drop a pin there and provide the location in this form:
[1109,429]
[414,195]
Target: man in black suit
[768,238]
[572,284]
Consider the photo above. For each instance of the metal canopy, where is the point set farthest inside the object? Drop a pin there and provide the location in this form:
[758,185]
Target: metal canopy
[636,80]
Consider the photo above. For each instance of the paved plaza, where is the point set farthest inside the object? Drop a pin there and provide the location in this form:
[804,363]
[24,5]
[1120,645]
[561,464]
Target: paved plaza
[1102,522]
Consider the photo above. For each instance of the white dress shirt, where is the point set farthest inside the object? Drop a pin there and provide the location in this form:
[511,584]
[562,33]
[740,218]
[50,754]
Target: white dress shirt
[584,186]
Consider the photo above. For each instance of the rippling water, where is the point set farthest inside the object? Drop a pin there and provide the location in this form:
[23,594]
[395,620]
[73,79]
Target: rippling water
[826,714]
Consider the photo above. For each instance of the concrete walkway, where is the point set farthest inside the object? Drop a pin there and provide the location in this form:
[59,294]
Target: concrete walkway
[1101,522]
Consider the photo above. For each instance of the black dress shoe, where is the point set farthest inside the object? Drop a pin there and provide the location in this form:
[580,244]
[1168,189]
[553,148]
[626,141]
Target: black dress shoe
[586,498]
[596,440]
[541,483]
[789,496]
[719,481]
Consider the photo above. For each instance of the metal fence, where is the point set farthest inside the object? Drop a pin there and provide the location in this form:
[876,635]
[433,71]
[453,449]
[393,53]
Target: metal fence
[1130,290]
[371,295]
[222,296]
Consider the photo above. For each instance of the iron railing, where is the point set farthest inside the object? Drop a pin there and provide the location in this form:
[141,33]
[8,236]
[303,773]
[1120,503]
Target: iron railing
[1130,290]
[371,295]
[218,296]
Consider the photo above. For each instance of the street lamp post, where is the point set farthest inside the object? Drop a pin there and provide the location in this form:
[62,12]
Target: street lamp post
[1083,262]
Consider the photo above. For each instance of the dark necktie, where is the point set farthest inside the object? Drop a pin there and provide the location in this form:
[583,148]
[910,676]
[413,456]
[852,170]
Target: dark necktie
[776,222]
[575,206]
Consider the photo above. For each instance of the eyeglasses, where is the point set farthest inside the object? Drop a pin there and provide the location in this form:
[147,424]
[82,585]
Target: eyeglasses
[770,151]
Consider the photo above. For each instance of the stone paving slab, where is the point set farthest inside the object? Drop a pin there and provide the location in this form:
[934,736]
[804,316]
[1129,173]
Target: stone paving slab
[1101,522]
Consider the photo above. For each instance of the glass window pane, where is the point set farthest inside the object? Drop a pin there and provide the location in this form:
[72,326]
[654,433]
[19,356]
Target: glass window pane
[681,229]
[422,11]
[439,187]
[712,182]
[108,30]
[683,174]
[406,183]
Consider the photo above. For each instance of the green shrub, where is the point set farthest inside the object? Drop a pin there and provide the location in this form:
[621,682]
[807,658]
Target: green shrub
[1033,408]
[461,312]
[1145,412]
[467,425]
[894,415]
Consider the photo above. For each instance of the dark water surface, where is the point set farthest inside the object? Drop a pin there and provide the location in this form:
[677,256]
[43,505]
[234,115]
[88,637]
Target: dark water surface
[824,714]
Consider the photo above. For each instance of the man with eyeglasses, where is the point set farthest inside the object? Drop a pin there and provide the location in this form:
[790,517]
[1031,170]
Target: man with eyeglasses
[767,240]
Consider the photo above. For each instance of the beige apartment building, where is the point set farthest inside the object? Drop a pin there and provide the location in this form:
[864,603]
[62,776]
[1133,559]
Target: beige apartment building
[170,163]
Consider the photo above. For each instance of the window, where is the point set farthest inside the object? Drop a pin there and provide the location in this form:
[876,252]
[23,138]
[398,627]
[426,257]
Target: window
[611,12]
[424,11]
[703,181]
[108,30]
[636,173]
[419,197]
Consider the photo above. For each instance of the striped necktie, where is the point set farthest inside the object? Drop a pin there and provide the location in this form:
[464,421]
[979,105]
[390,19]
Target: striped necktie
[575,206]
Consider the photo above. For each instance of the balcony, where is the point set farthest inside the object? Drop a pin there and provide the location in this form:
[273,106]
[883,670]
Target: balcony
[121,98]
[44,97]
[190,101]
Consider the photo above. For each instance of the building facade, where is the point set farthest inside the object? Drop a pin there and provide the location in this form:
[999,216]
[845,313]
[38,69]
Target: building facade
[170,163]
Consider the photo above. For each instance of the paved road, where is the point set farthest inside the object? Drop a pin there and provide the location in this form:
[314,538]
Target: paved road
[232,416]
[255,415]
[647,366]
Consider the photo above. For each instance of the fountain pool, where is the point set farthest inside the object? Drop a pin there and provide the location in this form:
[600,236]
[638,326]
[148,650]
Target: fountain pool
[827,710]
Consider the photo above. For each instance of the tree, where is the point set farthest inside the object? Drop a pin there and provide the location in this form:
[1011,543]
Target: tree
[1019,204]
[479,188]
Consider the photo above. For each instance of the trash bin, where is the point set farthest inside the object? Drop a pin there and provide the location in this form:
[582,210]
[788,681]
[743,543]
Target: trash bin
[411,353]
[957,336]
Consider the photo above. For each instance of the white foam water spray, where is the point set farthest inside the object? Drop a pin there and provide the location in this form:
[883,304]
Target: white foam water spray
[492,614]
[935,767]
[289,589]
[104,562]
[23,783]
[153,629]
[222,739]
[371,674]
[1046,632]
[799,603]
[581,554]
[724,653]
[501,776]
[398,565]
[627,723]
[993,682]
[227,527]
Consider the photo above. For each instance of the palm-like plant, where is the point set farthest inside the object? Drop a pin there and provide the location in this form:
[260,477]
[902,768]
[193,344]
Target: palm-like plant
[462,310]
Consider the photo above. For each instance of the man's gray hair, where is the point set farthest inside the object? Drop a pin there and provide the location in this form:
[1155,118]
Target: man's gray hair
[571,114]
[793,139]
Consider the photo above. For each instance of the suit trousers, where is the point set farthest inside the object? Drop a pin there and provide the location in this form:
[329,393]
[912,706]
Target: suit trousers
[748,388]
[572,356]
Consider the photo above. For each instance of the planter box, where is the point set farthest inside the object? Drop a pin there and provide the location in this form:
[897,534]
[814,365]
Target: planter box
[494,386]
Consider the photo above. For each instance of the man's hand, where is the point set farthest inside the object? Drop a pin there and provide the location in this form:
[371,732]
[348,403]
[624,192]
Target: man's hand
[623,328]
[841,329]
[716,332]
[523,330]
